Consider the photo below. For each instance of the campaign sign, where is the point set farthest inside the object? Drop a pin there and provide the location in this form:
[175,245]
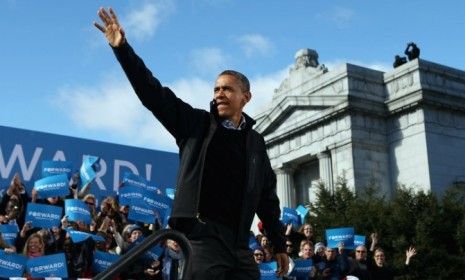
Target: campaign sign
[43,216]
[131,179]
[103,261]
[88,169]
[290,216]
[268,271]
[53,167]
[48,266]
[52,186]
[170,192]
[153,253]
[359,240]
[128,194]
[141,213]
[302,269]
[253,244]
[11,264]
[158,202]
[9,233]
[80,236]
[302,211]
[77,210]
[338,235]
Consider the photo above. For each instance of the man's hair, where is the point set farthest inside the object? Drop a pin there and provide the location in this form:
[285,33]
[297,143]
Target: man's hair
[245,84]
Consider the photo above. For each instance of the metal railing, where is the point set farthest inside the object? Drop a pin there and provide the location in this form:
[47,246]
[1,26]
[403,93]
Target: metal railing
[132,255]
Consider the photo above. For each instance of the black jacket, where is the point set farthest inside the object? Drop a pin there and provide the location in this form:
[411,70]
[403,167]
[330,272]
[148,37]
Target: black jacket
[193,129]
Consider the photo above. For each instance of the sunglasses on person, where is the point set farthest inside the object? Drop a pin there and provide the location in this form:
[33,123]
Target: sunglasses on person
[258,255]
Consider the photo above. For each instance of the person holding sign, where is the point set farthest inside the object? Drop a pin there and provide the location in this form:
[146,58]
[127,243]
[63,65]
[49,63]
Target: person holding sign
[224,177]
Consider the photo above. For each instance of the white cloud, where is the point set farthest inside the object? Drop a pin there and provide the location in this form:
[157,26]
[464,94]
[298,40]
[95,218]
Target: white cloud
[253,44]
[208,61]
[113,109]
[340,16]
[142,22]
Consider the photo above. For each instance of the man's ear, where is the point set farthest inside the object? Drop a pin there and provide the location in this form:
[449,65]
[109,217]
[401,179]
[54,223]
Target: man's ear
[247,97]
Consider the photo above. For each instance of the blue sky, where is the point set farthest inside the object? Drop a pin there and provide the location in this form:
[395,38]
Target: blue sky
[58,75]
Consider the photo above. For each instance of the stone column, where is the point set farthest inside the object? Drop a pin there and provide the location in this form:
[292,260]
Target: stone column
[326,172]
[285,187]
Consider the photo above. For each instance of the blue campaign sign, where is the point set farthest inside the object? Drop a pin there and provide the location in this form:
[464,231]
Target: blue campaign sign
[130,194]
[51,186]
[141,213]
[48,266]
[23,151]
[89,169]
[302,211]
[103,260]
[9,233]
[159,203]
[11,264]
[131,179]
[359,240]
[336,235]
[55,167]
[77,210]
[80,236]
[43,216]
[268,271]
[302,269]
[153,253]
[253,244]
[290,216]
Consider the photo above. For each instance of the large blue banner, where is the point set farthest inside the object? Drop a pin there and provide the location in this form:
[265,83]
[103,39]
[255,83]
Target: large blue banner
[9,233]
[103,260]
[53,167]
[77,210]
[302,269]
[23,151]
[48,266]
[337,235]
[51,186]
[11,264]
[268,271]
[44,216]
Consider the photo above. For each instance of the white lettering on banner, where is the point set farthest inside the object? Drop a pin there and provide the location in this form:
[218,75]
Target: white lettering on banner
[52,186]
[131,195]
[77,209]
[28,167]
[57,169]
[59,156]
[17,153]
[143,210]
[155,203]
[302,269]
[136,183]
[340,237]
[103,263]
[41,215]
[47,267]
[9,265]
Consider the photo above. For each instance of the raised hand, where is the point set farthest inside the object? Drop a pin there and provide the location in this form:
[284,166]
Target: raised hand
[111,27]
[409,254]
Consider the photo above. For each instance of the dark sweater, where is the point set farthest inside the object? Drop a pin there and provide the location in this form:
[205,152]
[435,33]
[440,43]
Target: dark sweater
[223,181]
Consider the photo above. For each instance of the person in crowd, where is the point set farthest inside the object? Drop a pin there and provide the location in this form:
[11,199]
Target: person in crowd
[34,246]
[306,233]
[290,250]
[268,250]
[360,265]
[134,232]
[173,259]
[335,265]
[412,51]
[90,200]
[109,214]
[13,203]
[307,250]
[382,271]
[213,153]
[320,249]
[263,241]
[258,255]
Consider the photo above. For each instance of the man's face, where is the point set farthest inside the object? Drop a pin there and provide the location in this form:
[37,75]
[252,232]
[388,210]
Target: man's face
[360,253]
[330,254]
[229,97]
[307,252]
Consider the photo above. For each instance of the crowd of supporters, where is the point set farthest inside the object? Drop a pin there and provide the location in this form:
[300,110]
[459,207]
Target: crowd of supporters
[110,221]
